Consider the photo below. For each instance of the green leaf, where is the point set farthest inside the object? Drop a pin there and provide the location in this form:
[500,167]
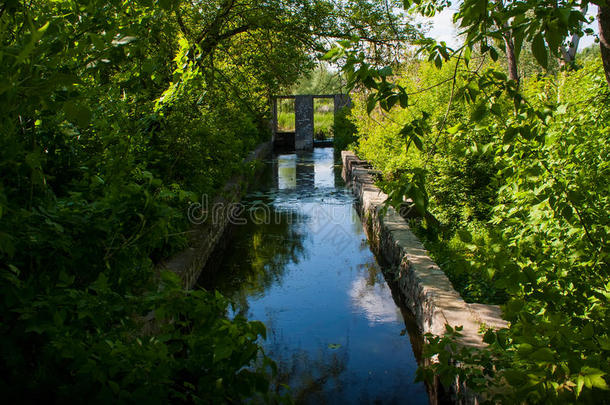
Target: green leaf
[467,54]
[540,51]
[417,141]
[166,4]
[403,99]
[518,36]
[6,244]
[594,378]
[454,129]
[419,198]
[516,378]
[333,53]
[493,53]
[32,159]
[222,352]
[543,355]
[386,71]
[371,102]
[101,284]
[77,113]
[553,37]
[391,101]
[114,387]
[465,236]
[35,37]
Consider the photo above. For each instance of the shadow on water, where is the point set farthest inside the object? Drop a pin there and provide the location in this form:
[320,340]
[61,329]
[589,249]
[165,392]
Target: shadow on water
[301,264]
[265,250]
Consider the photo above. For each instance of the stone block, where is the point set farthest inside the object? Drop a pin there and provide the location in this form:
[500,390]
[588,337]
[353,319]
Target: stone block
[423,286]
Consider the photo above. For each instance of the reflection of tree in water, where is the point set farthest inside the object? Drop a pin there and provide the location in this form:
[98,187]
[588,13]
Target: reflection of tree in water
[310,376]
[256,257]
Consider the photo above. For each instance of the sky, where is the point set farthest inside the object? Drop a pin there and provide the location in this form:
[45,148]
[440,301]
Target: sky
[444,30]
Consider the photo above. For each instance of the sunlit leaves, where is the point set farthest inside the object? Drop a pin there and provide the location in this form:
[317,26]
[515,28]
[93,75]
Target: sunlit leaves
[333,54]
[413,132]
[439,53]
[540,240]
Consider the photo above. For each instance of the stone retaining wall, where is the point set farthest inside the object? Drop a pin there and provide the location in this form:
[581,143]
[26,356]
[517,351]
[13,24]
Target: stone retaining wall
[204,237]
[423,286]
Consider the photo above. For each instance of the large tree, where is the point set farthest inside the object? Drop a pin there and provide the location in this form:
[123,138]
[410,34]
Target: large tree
[114,115]
[549,26]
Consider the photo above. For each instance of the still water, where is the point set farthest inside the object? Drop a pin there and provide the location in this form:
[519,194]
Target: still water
[300,263]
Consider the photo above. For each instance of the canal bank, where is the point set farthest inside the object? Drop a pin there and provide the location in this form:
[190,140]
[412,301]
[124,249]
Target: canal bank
[422,286]
[209,227]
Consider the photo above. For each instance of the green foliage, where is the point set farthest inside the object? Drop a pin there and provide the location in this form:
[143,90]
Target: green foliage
[454,171]
[115,116]
[344,131]
[519,176]
[106,138]
[518,180]
[99,345]
[519,183]
[285,121]
[321,80]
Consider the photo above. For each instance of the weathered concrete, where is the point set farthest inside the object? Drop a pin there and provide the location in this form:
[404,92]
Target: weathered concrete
[303,137]
[303,109]
[426,289]
[340,101]
[204,237]
[423,286]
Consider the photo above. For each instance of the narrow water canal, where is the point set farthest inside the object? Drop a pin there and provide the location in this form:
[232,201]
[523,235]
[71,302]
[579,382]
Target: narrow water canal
[300,263]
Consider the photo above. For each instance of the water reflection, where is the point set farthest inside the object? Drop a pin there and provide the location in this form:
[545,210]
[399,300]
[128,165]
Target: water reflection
[287,171]
[372,297]
[324,172]
[333,326]
[265,249]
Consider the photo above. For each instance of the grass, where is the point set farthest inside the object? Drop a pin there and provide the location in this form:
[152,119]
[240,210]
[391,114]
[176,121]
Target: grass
[323,119]
[323,125]
[285,121]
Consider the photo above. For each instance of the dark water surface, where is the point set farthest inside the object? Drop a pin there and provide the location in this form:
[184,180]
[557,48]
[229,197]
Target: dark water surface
[301,264]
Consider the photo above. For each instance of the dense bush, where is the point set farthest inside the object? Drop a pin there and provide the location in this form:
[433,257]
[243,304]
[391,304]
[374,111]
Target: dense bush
[514,163]
[98,164]
[459,176]
[521,191]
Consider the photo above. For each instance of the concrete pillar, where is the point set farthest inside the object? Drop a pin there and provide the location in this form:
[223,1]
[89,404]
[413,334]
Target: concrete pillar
[303,109]
[342,100]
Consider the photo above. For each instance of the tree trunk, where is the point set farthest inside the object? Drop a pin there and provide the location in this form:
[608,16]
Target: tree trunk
[513,73]
[603,19]
[509,44]
[568,56]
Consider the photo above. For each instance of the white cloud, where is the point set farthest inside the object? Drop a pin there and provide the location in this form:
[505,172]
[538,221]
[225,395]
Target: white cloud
[375,301]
